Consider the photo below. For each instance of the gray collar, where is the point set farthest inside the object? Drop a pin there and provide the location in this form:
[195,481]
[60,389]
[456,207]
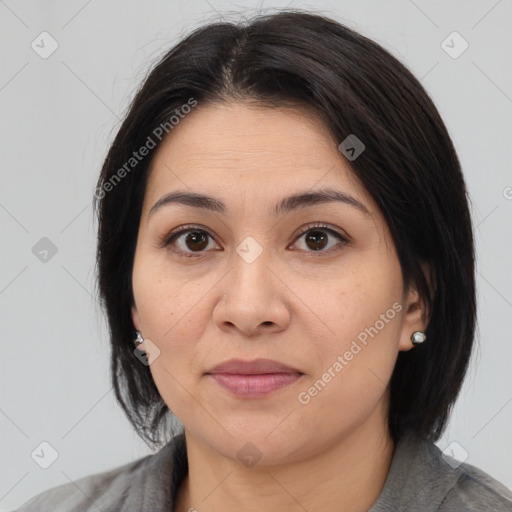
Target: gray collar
[418,478]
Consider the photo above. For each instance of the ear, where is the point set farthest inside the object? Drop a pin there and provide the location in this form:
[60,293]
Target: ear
[135,318]
[416,317]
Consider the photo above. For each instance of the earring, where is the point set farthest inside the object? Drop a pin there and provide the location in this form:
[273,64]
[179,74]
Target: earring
[418,337]
[139,339]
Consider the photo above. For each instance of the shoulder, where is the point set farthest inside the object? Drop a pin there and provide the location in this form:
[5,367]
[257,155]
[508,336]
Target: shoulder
[100,491]
[475,490]
[422,478]
[147,483]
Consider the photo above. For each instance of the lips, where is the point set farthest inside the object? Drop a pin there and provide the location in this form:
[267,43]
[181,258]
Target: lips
[252,379]
[256,367]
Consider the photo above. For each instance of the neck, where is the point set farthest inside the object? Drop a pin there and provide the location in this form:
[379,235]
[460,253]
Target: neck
[348,476]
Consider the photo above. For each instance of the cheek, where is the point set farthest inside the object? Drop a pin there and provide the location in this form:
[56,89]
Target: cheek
[352,377]
[350,302]
[356,353]
[167,309]
[165,300]
[175,371]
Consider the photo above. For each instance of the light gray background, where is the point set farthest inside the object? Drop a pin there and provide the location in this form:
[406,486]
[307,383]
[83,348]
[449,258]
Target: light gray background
[57,117]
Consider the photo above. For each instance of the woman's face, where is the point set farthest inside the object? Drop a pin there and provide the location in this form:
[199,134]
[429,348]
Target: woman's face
[314,285]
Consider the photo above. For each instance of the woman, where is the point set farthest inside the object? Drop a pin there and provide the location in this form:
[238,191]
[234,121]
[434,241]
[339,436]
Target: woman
[286,260]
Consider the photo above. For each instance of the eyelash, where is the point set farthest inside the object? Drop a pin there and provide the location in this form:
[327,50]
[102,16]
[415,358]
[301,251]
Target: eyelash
[166,240]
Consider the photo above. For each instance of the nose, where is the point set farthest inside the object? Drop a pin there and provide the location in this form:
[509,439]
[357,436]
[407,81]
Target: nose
[254,300]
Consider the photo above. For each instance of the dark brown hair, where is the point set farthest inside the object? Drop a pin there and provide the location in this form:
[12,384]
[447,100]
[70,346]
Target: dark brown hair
[409,166]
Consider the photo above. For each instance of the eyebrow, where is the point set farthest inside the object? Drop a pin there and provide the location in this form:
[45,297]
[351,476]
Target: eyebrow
[288,204]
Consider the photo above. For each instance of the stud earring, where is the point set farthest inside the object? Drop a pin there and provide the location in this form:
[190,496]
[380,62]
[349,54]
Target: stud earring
[418,337]
[139,339]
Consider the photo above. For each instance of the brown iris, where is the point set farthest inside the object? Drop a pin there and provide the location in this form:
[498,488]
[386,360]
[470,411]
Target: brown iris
[318,239]
[196,240]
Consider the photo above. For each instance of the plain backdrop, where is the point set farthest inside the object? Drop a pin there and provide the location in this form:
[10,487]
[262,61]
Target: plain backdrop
[58,114]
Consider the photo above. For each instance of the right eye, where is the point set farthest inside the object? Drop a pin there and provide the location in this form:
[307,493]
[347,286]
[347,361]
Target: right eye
[189,240]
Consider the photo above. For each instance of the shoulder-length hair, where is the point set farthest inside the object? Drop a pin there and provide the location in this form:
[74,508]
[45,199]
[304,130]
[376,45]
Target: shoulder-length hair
[409,166]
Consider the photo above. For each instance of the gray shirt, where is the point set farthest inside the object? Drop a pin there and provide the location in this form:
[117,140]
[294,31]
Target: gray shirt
[419,480]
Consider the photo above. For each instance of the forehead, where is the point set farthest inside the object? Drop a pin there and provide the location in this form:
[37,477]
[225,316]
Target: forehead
[261,150]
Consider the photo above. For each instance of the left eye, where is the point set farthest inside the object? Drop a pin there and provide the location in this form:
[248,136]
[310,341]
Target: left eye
[317,238]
